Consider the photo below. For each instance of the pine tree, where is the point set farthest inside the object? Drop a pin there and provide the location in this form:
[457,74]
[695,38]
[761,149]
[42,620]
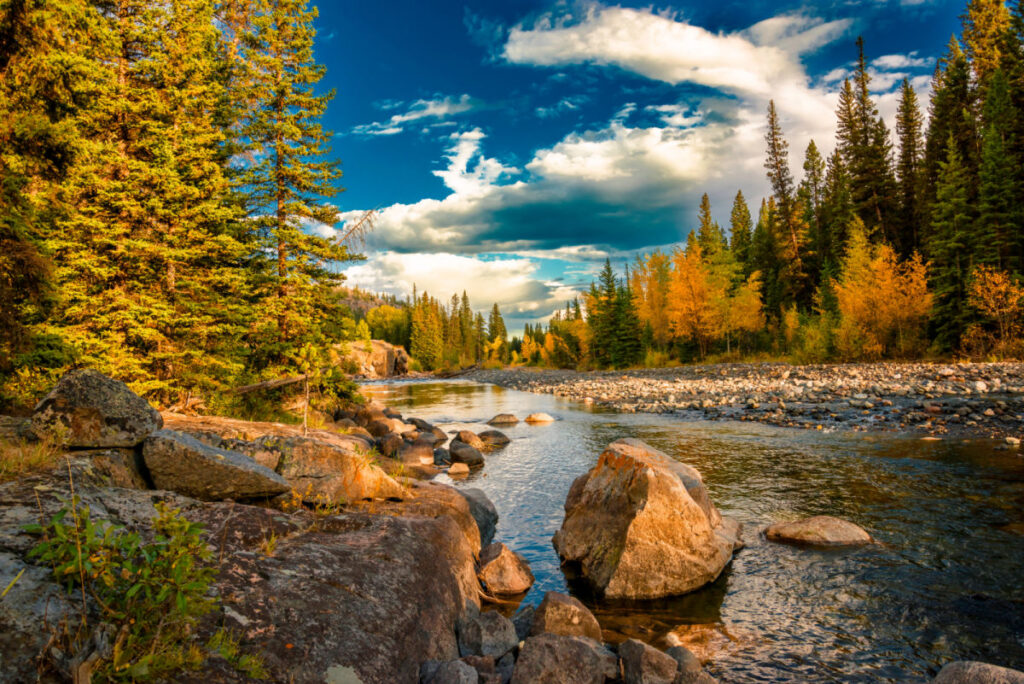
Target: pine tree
[837,214]
[811,194]
[496,332]
[909,122]
[290,182]
[601,315]
[627,347]
[948,246]
[740,226]
[764,255]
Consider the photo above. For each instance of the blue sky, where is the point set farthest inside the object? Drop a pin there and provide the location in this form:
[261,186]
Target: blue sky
[511,146]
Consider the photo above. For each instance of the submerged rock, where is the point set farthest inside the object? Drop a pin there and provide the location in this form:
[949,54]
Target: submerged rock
[819,530]
[640,525]
[973,672]
[557,659]
[86,409]
[564,615]
[180,463]
[503,571]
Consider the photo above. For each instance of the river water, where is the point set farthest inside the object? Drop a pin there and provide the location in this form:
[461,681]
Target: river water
[944,582]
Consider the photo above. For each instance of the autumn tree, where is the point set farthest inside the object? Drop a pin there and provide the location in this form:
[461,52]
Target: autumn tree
[693,313]
[995,295]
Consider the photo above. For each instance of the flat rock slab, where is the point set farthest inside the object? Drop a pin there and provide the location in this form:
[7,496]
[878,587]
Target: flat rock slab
[181,463]
[86,409]
[820,530]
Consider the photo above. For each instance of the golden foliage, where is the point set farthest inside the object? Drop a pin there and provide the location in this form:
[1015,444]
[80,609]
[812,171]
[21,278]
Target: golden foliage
[1001,300]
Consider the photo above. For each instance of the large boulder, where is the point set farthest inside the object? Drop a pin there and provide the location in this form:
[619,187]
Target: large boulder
[564,615]
[463,453]
[973,672]
[86,409]
[503,571]
[378,359]
[483,511]
[820,530]
[641,525]
[332,473]
[556,659]
[181,463]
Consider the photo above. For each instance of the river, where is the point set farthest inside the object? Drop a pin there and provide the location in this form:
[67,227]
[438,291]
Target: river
[944,582]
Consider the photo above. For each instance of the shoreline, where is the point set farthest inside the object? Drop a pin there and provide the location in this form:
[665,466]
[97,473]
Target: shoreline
[962,401]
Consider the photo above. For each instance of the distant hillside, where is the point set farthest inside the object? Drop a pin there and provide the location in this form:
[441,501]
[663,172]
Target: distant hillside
[360,301]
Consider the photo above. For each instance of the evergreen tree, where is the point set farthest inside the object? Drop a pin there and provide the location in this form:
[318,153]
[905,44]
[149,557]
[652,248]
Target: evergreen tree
[627,348]
[479,336]
[496,332]
[951,222]
[998,226]
[601,316]
[764,255]
[812,194]
[985,23]
[709,234]
[791,238]
[909,124]
[740,232]
[837,214]
[291,179]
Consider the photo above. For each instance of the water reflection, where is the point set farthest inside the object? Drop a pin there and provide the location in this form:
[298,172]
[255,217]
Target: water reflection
[945,582]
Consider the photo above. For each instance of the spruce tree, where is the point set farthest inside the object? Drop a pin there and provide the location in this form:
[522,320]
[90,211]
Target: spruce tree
[709,234]
[909,122]
[998,223]
[628,343]
[496,332]
[985,24]
[811,194]
[601,316]
[948,246]
[791,238]
[837,214]
[292,180]
[740,232]
[764,256]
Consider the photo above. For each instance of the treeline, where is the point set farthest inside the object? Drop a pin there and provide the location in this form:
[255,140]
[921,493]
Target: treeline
[163,169]
[441,337]
[881,250]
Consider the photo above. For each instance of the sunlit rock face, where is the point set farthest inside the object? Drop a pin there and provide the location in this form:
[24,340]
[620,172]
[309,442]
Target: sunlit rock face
[640,525]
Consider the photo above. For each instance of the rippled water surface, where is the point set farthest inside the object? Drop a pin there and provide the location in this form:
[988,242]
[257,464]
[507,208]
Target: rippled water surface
[945,581]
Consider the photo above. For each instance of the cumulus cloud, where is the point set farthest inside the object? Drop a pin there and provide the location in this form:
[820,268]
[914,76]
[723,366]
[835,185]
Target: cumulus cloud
[908,61]
[439,108]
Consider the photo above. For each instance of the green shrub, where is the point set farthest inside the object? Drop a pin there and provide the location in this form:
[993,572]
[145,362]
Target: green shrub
[151,595]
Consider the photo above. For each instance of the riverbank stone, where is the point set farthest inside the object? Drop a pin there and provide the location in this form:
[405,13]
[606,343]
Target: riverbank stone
[486,634]
[640,525]
[503,571]
[566,660]
[973,672]
[539,418]
[819,530]
[644,664]
[503,419]
[470,438]
[564,615]
[87,409]
[180,463]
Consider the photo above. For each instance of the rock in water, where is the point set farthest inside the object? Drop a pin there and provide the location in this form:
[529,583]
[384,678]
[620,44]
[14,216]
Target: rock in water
[183,464]
[551,658]
[483,511]
[564,615]
[643,664]
[820,530]
[503,571]
[537,418]
[493,439]
[503,419]
[87,409]
[470,438]
[640,525]
[973,672]
[463,453]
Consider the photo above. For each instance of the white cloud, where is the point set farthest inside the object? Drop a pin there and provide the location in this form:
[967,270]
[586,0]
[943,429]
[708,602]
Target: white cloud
[438,108]
[908,61]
